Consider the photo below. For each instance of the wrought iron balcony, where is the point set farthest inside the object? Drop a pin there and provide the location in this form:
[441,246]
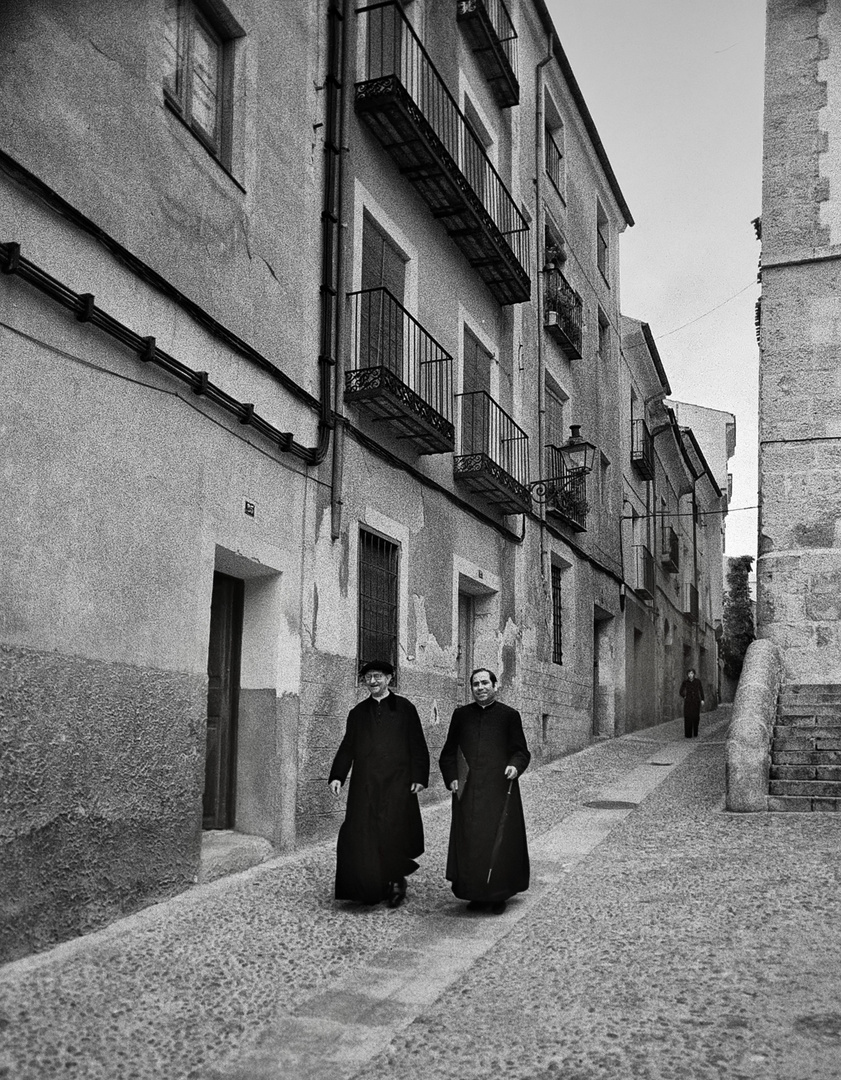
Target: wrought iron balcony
[642,449]
[690,601]
[493,455]
[670,550]
[646,579]
[408,107]
[400,374]
[491,35]
[562,313]
[566,494]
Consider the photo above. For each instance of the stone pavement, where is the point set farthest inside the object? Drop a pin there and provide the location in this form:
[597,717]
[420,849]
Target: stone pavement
[661,938]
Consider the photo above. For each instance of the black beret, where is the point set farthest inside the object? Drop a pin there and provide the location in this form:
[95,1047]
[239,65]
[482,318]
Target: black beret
[377,665]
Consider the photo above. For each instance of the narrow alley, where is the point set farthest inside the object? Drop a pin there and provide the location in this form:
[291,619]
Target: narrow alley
[661,938]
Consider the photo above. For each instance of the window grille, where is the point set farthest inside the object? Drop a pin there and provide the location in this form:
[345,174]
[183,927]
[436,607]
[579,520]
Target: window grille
[378,598]
[557,652]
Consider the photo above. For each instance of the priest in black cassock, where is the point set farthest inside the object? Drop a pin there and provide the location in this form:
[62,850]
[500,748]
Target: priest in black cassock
[382,833]
[485,753]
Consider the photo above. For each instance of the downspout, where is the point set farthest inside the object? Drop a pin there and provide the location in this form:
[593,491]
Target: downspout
[337,476]
[540,217]
[331,246]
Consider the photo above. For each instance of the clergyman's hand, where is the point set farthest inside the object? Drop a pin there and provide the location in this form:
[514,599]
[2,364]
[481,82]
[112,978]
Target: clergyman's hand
[454,785]
[335,786]
[416,788]
[510,772]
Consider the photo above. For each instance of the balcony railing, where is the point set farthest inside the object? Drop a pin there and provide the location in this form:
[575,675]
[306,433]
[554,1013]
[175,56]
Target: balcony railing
[670,550]
[491,35]
[562,309]
[408,107]
[399,373]
[555,163]
[493,454]
[642,449]
[690,601]
[646,585]
[567,495]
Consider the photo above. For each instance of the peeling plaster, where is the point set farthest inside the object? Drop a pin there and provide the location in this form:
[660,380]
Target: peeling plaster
[332,610]
[429,655]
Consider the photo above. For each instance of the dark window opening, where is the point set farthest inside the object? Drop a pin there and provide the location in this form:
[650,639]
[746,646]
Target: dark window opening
[557,651]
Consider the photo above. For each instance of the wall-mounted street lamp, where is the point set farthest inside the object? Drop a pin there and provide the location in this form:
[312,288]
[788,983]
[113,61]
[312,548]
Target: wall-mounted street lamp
[576,452]
[565,490]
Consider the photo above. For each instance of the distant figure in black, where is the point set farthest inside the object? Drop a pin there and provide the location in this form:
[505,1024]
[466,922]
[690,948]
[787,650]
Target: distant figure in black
[382,833]
[484,754]
[693,698]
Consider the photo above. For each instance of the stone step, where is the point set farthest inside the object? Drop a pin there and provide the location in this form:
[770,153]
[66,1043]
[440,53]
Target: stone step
[811,789]
[806,772]
[801,694]
[819,730]
[817,739]
[800,805]
[804,714]
[807,757]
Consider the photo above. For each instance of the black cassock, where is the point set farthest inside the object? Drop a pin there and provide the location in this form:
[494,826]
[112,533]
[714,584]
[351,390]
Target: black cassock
[382,833]
[490,739]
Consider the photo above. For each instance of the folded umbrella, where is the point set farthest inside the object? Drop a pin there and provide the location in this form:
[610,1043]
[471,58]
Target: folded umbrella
[499,831]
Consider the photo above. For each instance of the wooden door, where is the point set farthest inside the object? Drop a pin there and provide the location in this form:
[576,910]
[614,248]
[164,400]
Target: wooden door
[223,659]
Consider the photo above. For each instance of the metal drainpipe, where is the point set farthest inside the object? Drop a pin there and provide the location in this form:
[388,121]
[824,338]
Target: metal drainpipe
[338,471]
[539,168]
[331,245]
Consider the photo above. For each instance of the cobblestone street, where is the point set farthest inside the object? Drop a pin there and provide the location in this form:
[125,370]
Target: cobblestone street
[661,938]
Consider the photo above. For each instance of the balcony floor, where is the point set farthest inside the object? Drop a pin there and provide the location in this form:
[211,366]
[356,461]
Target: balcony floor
[384,397]
[404,132]
[484,477]
[481,35]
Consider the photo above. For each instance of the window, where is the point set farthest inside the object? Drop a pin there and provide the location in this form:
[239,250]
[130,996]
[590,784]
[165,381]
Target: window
[604,335]
[557,651]
[602,241]
[378,598]
[381,324]
[554,152]
[199,71]
[477,142]
[475,407]
[554,426]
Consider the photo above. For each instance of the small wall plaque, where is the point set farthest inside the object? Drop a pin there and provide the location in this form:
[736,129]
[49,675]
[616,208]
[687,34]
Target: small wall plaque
[249,508]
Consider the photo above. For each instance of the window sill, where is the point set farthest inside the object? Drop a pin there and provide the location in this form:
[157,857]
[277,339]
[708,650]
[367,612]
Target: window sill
[173,110]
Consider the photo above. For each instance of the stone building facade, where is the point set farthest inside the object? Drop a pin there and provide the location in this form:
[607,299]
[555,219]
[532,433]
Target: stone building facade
[673,534]
[799,561]
[298,315]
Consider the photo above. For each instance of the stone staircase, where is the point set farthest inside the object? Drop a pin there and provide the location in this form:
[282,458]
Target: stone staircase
[806,749]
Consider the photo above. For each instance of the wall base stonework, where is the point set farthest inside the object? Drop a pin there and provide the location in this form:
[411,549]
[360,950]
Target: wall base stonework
[101,779]
[748,754]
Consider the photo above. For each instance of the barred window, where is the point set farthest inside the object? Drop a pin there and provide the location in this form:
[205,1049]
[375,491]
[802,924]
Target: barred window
[557,651]
[378,598]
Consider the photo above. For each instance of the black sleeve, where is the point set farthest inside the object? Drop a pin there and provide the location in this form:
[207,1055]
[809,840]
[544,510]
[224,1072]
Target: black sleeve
[448,761]
[344,755]
[418,750]
[518,751]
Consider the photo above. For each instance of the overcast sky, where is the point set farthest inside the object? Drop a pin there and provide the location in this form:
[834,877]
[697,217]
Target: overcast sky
[675,90]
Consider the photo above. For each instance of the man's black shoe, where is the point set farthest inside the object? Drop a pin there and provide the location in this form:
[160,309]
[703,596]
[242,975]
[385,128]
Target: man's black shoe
[397,893]
[498,907]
